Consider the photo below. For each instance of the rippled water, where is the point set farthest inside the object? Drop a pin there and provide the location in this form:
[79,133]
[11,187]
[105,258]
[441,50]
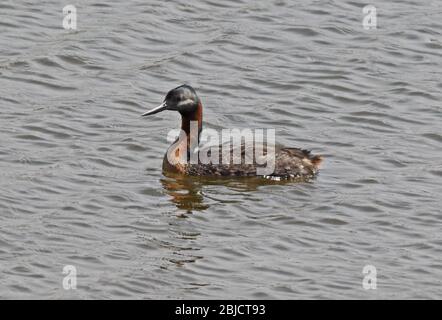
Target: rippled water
[80,170]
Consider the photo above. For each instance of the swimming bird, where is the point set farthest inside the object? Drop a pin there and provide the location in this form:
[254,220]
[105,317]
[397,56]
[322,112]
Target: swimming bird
[287,163]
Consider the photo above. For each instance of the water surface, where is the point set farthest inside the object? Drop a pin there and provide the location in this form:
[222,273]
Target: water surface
[80,170]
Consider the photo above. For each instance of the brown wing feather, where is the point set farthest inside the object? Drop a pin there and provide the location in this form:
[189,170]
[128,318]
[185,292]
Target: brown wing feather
[289,163]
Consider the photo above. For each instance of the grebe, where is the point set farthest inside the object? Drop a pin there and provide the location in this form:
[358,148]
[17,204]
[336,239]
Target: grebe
[288,163]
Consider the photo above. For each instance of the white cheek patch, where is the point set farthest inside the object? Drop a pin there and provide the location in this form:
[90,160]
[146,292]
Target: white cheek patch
[185,102]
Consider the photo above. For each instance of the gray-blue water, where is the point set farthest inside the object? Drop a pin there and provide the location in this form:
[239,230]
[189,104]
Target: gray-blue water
[80,170]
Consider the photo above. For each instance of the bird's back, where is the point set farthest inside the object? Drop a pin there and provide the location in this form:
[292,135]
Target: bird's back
[289,163]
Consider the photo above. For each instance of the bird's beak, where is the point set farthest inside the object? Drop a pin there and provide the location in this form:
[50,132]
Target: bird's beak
[160,108]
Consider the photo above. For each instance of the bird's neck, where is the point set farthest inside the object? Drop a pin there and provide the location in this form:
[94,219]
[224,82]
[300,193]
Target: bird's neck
[192,123]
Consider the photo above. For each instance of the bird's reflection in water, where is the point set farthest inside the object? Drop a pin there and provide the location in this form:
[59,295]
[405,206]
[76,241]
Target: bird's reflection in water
[195,194]
[187,191]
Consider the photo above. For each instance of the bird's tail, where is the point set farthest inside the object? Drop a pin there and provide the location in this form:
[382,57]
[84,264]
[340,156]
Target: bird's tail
[316,160]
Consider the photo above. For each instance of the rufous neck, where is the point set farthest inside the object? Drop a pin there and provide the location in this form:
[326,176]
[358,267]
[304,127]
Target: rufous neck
[195,117]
